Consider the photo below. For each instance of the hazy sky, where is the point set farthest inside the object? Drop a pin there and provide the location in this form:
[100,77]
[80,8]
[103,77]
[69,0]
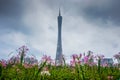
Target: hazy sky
[87,25]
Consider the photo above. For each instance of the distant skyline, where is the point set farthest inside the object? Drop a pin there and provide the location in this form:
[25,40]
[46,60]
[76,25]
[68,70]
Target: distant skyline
[88,25]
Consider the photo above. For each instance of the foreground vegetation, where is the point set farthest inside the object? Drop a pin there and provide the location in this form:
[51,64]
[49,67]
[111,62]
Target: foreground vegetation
[81,67]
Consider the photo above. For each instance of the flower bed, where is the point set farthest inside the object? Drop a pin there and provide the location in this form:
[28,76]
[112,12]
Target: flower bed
[81,67]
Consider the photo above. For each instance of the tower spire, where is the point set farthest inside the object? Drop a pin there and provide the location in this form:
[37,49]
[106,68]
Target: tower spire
[59,12]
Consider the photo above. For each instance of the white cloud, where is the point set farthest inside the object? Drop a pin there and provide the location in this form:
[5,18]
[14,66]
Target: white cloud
[13,38]
[10,42]
[79,35]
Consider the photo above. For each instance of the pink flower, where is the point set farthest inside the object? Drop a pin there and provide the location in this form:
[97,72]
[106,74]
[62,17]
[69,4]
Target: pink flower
[75,59]
[74,56]
[105,65]
[80,56]
[14,60]
[22,50]
[92,64]
[47,59]
[3,63]
[72,63]
[89,59]
[28,65]
[86,59]
[117,56]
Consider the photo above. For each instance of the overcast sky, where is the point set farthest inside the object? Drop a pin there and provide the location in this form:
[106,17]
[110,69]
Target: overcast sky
[87,25]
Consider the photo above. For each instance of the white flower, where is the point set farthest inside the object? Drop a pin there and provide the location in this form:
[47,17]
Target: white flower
[45,73]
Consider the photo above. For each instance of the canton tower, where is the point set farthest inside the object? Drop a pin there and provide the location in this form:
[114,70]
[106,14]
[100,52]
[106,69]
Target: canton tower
[59,59]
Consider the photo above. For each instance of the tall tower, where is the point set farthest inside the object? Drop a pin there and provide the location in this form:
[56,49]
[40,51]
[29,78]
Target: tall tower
[59,59]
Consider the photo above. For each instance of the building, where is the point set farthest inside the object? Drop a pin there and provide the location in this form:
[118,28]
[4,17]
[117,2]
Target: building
[59,59]
[30,60]
[107,62]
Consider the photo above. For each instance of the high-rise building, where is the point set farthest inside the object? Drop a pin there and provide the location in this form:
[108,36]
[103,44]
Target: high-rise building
[59,59]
